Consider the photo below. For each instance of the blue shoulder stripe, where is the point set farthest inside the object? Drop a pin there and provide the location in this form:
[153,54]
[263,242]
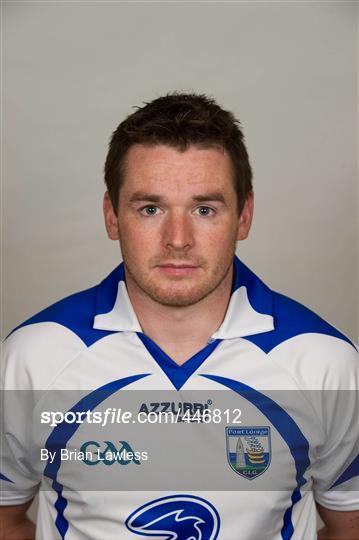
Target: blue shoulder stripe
[76,312]
[292,319]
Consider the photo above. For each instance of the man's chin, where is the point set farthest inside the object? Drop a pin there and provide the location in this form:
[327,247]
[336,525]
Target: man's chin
[177,302]
[178,298]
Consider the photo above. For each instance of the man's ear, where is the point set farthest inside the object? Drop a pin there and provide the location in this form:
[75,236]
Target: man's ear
[245,219]
[110,218]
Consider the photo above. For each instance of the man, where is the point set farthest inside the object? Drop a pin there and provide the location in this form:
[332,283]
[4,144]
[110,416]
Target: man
[182,313]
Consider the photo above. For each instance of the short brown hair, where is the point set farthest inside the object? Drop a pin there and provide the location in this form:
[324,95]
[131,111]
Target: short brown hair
[179,120]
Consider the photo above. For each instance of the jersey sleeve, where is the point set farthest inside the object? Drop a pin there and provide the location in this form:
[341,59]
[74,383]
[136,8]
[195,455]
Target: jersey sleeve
[19,482]
[33,356]
[336,467]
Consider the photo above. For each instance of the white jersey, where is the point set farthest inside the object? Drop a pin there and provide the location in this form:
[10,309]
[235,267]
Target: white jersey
[286,438]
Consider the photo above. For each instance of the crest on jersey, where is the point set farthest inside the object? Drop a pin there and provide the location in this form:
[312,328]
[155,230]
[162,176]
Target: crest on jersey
[248,450]
[177,517]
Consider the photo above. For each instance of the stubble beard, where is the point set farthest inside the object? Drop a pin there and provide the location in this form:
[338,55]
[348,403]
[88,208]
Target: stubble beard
[167,295]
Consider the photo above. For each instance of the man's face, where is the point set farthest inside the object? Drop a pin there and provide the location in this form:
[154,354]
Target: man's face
[177,222]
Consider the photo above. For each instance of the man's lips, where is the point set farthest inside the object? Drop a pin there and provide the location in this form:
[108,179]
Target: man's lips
[173,265]
[178,269]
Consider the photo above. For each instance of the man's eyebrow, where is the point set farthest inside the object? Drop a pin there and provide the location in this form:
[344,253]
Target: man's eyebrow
[143,196]
[215,196]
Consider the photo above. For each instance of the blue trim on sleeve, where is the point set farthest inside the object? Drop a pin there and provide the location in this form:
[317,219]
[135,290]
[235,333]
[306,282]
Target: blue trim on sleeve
[288,430]
[350,472]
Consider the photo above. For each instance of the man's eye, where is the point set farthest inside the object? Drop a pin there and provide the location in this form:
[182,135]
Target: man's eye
[149,210]
[205,211]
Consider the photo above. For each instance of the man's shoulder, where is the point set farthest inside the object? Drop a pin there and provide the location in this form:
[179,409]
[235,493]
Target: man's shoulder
[73,313]
[59,332]
[304,344]
[316,353]
[49,340]
[289,317]
[292,319]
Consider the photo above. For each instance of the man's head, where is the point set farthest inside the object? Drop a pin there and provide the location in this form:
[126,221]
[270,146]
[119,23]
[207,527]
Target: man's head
[179,120]
[177,203]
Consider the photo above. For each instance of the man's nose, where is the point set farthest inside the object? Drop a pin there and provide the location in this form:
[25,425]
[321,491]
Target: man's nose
[178,231]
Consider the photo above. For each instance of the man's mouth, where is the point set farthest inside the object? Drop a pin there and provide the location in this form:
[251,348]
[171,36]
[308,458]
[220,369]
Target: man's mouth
[178,269]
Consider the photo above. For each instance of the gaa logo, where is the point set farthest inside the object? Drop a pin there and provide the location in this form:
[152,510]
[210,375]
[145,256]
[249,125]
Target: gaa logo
[108,453]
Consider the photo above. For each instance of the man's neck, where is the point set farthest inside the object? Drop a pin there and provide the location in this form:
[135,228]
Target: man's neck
[181,331]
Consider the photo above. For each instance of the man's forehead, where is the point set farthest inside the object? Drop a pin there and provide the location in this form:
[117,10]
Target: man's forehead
[167,163]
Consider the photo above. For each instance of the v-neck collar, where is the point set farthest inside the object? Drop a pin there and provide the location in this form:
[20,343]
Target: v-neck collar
[178,373]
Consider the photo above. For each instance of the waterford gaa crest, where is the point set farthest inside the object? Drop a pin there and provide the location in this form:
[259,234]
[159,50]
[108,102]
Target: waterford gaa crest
[248,450]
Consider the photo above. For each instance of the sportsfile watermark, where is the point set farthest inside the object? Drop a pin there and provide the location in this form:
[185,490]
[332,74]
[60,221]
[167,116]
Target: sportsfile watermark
[235,439]
[159,413]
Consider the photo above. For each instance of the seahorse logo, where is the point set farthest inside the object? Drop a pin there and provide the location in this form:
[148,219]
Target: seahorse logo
[177,517]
